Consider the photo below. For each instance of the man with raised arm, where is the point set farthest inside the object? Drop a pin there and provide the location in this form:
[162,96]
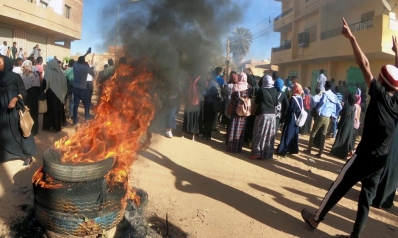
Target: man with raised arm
[368,162]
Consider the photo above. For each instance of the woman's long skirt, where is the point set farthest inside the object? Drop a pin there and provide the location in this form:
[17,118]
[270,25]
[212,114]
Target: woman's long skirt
[54,119]
[264,136]
[236,134]
[32,102]
[191,123]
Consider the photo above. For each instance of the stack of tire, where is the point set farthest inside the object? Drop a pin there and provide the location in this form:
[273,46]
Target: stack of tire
[78,201]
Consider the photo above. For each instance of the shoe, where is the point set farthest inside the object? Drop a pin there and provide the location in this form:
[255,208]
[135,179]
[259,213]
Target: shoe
[254,157]
[28,161]
[319,156]
[169,134]
[216,130]
[307,151]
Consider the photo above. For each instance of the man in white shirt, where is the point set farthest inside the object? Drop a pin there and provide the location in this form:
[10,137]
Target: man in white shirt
[358,90]
[90,84]
[321,80]
[3,48]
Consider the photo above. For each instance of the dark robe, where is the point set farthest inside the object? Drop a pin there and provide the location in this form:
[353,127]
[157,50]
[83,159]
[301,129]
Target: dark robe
[54,119]
[251,80]
[290,132]
[12,144]
[389,178]
[345,135]
[32,102]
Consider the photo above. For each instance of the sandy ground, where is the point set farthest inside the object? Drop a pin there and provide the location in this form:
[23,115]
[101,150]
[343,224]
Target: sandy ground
[206,192]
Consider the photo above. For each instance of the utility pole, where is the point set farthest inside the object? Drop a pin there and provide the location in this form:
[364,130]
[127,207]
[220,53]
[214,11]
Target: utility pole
[228,53]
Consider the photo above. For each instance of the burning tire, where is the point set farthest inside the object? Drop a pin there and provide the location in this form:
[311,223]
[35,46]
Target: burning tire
[76,225]
[74,172]
[88,198]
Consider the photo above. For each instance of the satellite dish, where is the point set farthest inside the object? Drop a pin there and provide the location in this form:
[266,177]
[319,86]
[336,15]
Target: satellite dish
[387,5]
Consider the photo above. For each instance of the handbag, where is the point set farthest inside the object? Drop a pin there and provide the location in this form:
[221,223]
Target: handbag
[25,122]
[42,103]
[244,106]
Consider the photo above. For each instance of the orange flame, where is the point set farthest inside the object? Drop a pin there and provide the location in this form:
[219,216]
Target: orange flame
[122,117]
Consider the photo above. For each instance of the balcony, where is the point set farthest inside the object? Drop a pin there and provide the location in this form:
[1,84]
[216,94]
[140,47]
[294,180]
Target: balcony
[287,45]
[283,14]
[283,22]
[38,19]
[360,26]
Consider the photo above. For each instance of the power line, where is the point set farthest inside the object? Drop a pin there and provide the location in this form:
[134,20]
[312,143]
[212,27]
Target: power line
[267,30]
[265,19]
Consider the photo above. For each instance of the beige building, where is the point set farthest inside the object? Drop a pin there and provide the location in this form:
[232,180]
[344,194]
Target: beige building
[311,38]
[259,67]
[53,24]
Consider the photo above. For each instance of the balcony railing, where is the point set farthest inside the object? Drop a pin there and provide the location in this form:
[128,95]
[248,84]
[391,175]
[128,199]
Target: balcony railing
[283,14]
[287,45]
[354,27]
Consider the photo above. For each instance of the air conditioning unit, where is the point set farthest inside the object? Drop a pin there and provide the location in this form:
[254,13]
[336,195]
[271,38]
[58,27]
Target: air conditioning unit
[303,39]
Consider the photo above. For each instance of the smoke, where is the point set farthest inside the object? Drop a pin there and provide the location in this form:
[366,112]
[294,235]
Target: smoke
[173,39]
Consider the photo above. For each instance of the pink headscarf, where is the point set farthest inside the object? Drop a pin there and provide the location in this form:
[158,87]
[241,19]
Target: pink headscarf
[242,84]
[297,89]
[358,99]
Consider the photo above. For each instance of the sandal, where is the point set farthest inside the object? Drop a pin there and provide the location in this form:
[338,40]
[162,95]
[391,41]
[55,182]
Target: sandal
[306,215]
[28,161]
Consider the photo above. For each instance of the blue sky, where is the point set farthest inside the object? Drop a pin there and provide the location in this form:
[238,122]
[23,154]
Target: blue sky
[256,17]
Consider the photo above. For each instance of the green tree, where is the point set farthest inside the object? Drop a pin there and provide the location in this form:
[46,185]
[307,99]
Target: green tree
[240,42]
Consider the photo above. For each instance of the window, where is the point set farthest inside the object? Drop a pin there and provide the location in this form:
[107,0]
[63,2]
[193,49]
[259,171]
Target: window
[59,42]
[312,33]
[67,11]
[43,4]
[367,16]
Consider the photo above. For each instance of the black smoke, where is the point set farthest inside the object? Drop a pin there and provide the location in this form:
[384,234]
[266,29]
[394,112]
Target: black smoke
[173,39]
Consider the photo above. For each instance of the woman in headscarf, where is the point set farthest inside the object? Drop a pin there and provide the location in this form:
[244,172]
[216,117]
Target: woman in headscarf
[283,103]
[265,122]
[290,132]
[306,129]
[233,79]
[357,123]
[237,124]
[56,90]
[344,144]
[31,80]
[12,93]
[251,80]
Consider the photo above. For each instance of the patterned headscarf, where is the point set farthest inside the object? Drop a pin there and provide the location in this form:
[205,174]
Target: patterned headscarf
[242,84]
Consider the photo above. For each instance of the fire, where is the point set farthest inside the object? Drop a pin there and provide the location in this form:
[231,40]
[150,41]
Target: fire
[122,118]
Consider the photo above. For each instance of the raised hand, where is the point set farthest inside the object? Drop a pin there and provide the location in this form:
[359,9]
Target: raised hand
[346,31]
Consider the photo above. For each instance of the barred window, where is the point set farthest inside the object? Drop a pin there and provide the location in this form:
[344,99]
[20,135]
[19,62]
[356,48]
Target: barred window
[367,16]
[312,33]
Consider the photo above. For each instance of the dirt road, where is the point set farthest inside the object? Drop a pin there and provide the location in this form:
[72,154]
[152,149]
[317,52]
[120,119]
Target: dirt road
[206,192]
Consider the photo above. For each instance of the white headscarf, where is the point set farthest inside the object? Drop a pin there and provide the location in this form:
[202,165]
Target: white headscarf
[242,84]
[30,78]
[267,82]
[56,80]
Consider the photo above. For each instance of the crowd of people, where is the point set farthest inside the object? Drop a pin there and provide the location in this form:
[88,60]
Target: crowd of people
[25,82]
[251,109]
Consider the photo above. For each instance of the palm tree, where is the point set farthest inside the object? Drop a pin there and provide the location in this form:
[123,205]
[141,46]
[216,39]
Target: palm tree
[240,42]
